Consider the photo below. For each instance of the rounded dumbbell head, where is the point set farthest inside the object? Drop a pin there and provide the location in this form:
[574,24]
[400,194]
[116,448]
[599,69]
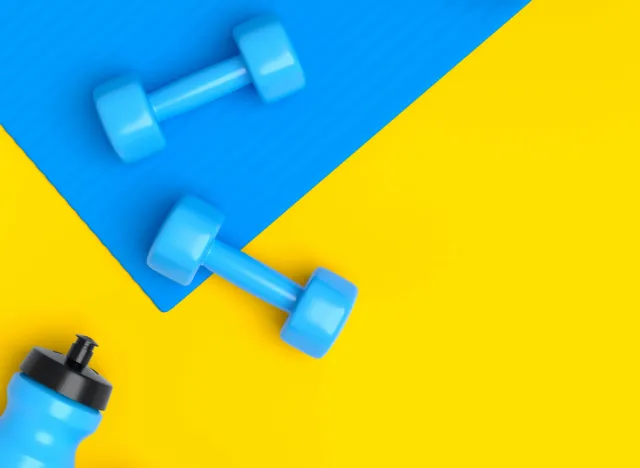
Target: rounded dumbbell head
[270,58]
[128,119]
[320,313]
[185,239]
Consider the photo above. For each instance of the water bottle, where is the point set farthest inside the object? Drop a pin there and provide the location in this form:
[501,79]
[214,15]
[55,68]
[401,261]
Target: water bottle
[53,404]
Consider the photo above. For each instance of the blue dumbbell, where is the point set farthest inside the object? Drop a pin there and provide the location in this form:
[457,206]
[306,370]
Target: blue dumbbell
[131,118]
[187,241]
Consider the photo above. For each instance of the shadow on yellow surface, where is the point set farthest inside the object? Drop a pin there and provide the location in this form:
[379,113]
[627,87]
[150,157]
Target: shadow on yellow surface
[493,232]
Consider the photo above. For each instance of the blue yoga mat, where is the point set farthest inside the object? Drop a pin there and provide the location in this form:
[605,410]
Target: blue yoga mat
[365,61]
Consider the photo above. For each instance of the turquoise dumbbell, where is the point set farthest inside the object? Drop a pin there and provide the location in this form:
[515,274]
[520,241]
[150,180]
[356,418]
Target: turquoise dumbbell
[131,118]
[317,312]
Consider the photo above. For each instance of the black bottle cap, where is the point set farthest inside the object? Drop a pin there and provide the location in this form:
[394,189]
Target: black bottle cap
[69,375]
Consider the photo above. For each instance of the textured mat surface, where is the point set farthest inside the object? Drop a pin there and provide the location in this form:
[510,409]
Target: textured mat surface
[365,62]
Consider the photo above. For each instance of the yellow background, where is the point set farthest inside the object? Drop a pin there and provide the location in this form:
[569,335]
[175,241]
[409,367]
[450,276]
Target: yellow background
[493,231]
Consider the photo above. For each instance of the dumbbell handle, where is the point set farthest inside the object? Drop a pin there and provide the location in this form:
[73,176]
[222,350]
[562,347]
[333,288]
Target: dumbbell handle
[200,88]
[253,276]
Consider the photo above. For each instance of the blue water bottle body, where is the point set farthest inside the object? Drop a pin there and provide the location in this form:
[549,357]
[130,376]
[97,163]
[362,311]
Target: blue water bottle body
[41,428]
[53,404]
